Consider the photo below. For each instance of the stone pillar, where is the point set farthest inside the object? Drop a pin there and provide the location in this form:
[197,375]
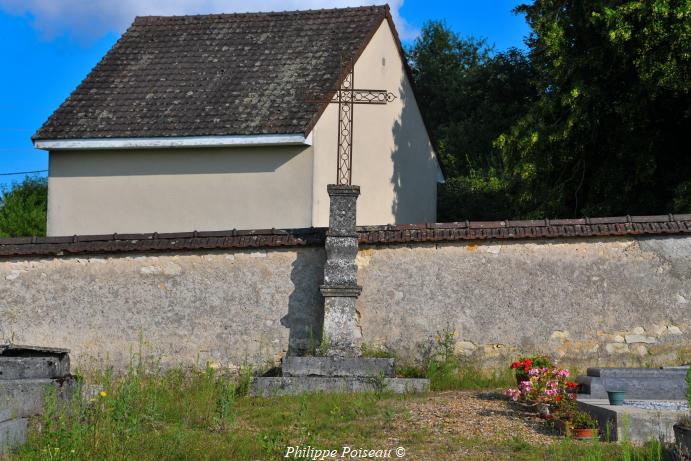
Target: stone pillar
[343,369]
[340,288]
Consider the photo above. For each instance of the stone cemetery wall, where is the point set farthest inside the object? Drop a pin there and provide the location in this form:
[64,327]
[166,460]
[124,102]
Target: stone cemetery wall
[618,300]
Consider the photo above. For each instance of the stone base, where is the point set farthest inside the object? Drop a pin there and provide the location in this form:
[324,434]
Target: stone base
[286,385]
[621,422]
[12,434]
[337,367]
[22,398]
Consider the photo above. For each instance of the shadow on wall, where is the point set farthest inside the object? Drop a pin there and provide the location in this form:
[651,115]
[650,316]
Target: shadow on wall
[305,314]
[414,176]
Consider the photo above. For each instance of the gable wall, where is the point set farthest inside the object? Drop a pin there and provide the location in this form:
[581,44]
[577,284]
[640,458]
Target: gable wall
[177,190]
[393,159]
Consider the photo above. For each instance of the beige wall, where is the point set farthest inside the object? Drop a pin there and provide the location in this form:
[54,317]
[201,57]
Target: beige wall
[102,192]
[393,159]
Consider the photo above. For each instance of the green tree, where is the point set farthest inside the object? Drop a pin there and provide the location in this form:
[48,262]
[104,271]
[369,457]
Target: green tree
[469,95]
[609,132]
[23,208]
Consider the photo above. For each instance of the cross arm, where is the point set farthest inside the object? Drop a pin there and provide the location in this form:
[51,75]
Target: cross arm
[347,96]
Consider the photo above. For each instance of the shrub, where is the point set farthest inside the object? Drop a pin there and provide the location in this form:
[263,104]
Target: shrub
[583,420]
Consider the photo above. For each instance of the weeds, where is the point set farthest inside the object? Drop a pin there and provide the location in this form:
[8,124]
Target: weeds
[376,352]
[150,414]
[447,371]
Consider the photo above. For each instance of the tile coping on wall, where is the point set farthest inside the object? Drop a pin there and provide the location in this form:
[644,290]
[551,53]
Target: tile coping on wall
[369,235]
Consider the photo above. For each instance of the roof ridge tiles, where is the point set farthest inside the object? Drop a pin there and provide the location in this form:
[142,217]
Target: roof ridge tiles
[369,235]
[264,13]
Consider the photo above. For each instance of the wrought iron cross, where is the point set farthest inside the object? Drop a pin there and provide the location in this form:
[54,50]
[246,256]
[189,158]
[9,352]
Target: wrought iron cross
[346,97]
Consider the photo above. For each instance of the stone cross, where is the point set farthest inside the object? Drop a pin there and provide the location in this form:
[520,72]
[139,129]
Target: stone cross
[340,289]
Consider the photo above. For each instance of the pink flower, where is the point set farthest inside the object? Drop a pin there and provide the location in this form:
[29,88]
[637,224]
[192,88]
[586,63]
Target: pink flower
[533,372]
[525,386]
[563,373]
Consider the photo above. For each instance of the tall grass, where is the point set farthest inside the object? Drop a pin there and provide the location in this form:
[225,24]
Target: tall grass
[448,371]
[149,414]
[160,411]
[182,414]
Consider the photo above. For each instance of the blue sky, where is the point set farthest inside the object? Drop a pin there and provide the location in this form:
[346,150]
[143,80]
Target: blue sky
[47,51]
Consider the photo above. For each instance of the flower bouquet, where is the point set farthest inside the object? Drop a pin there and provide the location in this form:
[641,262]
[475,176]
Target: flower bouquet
[524,364]
[547,388]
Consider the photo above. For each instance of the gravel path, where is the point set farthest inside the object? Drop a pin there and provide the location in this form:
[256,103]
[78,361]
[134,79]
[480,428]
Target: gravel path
[465,423]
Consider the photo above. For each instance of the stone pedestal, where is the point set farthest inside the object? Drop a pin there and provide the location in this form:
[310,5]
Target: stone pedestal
[341,332]
[342,369]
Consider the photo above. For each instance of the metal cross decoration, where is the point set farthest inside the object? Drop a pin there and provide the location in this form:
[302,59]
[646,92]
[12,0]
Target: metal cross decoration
[346,97]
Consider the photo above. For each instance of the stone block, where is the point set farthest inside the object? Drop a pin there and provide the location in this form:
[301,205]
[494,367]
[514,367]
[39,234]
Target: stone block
[343,199]
[26,397]
[12,434]
[631,339]
[630,423]
[640,349]
[285,385]
[335,367]
[591,386]
[616,348]
[34,367]
[465,347]
[340,328]
[559,335]
[674,330]
[340,267]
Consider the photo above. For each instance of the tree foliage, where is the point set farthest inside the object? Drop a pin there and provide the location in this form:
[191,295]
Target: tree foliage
[594,120]
[23,208]
[609,132]
[468,95]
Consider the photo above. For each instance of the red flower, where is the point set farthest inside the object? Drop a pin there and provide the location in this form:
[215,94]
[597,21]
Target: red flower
[571,384]
[527,363]
[557,398]
[515,364]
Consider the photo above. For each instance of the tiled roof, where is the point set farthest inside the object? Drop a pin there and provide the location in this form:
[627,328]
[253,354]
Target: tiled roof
[212,75]
[532,229]
[369,235]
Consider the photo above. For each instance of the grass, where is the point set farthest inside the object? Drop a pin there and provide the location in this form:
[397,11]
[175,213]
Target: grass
[447,371]
[150,414]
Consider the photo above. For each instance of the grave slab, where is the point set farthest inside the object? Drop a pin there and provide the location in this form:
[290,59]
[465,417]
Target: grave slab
[623,422]
[637,383]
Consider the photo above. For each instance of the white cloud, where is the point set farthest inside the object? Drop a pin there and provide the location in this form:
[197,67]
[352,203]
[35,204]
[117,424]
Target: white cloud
[87,20]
